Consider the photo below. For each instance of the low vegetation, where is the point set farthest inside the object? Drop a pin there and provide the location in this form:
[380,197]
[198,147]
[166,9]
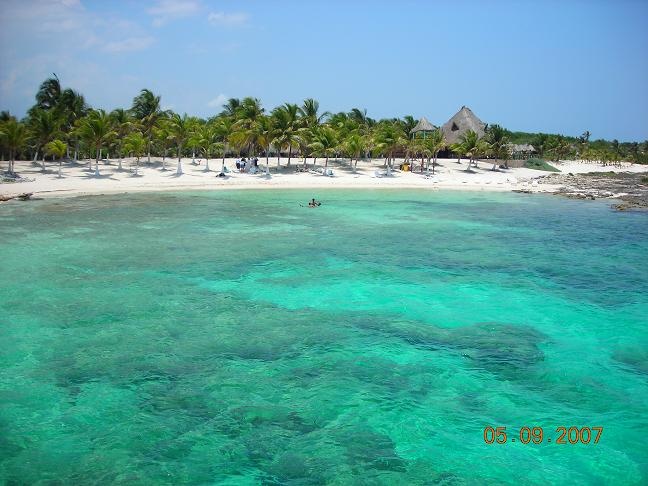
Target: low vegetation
[540,164]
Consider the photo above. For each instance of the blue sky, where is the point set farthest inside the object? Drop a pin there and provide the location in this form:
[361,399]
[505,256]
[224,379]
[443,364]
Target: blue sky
[558,67]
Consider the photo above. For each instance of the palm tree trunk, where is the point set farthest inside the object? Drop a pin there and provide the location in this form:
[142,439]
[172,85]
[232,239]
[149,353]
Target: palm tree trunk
[326,164]
[60,163]
[207,163]
[179,170]
[120,156]
[289,154]
[469,163]
[97,163]
[149,148]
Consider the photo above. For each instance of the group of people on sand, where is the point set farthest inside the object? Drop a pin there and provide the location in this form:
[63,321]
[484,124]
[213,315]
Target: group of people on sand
[247,165]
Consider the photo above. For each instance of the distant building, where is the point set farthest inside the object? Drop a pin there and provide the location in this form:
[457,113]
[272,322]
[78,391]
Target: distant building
[460,123]
[521,151]
[422,128]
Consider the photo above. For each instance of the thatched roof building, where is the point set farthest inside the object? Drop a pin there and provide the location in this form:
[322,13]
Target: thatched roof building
[460,123]
[423,125]
[521,150]
[522,147]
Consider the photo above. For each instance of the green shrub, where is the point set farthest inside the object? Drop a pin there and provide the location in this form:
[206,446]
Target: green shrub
[540,164]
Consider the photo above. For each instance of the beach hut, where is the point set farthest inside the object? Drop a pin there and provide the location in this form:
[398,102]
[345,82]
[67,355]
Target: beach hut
[460,123]
[521,151]
[422,127]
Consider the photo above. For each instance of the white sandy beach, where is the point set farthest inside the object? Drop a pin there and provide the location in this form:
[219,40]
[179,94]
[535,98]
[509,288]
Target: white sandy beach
[77,179]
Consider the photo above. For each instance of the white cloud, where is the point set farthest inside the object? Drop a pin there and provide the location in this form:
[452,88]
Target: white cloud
[167,10]
[44,15]
[218,101]
[80,45]
[223,18]
[130,44]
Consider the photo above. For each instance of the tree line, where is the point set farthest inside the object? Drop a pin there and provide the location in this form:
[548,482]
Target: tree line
[61,125]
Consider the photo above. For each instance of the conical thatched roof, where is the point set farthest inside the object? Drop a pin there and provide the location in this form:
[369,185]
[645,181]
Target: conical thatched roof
[423,125]
[460,123]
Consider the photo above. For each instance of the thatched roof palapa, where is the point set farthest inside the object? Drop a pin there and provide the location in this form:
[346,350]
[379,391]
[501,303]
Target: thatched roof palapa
[522,147]
[423,125]
[460,123]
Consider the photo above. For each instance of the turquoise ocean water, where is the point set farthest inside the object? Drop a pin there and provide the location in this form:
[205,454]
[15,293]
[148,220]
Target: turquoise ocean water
[238,338]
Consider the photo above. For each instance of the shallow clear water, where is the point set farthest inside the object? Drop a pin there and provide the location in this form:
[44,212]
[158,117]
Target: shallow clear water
[238,338]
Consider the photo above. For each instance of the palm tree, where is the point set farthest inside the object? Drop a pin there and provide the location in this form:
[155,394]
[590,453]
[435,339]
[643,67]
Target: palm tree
[14,136]
[231,107]
[250,109]
[469,142]
[44,126]
[558,146]
[309,113]
[123,123]
[408,124]
[498,144]
[162,139]
[388,138]
[286,125]
[71,107]
[146,108]
[355,146]
[245,128]
[5,116]
[195,125]
[135,144]
[325,143]
[310,120]
[360,117]
[265,133]
[180,131]
[435,142]
[206,137]
[96,129]
[224,129]
[49,93]
[57,148]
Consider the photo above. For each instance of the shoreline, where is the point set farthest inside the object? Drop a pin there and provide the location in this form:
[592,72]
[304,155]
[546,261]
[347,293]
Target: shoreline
[78,180]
